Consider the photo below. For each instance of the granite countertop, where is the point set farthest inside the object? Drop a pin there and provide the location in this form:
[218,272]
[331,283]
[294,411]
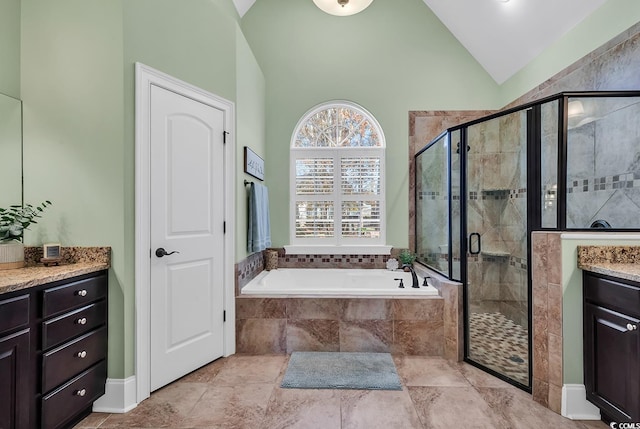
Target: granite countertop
[75,262]
[617,261]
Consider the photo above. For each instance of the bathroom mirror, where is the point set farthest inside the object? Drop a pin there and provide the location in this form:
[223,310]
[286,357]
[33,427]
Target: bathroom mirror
[10,151]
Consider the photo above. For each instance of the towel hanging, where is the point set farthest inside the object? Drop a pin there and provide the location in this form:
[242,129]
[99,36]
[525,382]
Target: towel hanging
[259,229]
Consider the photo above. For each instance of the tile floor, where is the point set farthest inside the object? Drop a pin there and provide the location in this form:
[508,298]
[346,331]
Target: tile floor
[500,344]
[243,391]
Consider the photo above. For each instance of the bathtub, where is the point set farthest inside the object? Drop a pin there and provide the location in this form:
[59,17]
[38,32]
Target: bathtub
[330,283]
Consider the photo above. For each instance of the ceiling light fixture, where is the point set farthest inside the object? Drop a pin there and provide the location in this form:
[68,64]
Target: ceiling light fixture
[342,7]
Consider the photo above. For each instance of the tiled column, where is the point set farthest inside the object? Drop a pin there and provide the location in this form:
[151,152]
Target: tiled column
[547,319]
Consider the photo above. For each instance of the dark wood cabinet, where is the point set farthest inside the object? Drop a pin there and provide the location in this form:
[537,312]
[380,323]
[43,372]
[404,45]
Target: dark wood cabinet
[14,384]
[612,346]
[53,351]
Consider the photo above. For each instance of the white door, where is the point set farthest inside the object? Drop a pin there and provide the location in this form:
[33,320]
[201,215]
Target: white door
[187,215]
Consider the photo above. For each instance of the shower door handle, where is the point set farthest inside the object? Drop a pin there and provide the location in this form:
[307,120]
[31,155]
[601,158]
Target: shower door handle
[479,241]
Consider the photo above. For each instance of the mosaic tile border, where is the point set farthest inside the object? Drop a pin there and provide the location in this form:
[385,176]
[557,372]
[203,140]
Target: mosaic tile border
[248,269]
[605,183]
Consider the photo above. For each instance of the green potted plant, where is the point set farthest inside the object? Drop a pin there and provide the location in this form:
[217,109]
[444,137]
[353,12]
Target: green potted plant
[407,257]
[13,222]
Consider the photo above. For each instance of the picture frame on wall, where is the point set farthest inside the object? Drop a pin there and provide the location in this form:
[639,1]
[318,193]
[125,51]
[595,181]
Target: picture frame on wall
[253,164]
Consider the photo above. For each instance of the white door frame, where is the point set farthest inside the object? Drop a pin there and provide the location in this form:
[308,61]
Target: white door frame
[145,78]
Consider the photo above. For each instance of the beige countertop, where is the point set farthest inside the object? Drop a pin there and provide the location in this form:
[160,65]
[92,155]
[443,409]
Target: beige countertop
[76,261]
[23,278]
[617,261]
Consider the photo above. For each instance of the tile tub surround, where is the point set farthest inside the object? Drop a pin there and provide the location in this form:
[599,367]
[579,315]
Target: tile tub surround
[75,261]
[285,325]
[617,261]
[547,319]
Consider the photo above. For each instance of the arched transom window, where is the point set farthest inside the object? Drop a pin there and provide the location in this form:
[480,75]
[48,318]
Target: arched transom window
[337,177]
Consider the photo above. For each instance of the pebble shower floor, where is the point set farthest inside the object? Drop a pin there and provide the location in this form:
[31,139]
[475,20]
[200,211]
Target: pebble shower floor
[500,344]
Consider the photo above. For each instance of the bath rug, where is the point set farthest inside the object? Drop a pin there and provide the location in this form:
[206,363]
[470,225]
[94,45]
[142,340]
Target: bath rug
[341,370]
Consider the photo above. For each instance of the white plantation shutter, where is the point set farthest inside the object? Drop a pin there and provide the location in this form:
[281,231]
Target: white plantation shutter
[337,177]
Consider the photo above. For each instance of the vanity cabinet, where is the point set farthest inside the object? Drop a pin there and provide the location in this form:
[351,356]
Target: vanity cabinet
[612,346]
[53,351]
[14,362]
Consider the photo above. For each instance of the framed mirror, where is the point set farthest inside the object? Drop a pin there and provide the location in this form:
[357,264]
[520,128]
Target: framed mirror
[10,151]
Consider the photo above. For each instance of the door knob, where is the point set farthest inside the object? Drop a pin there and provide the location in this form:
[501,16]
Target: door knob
[160,252]
[631,327]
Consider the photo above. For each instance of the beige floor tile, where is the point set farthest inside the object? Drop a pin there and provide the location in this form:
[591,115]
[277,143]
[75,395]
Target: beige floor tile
[452,407]
[92,421]
[243,392]
[250,369]
[230,407]
[516,409]
[166,407]
[429,371]
[479,378]
[206,374]
[385,409]
[303,409]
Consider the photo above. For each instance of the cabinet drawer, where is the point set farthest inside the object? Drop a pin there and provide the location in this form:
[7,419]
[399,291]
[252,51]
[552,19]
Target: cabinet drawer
[14,313]
[65,403]
[63,363]
[69,325]
[73,295]
[610,293]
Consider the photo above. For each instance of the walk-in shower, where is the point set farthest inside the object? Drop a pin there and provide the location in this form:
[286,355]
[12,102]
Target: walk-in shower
[482,187]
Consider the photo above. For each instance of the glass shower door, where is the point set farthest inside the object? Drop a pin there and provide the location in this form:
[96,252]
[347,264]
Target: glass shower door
[497,307]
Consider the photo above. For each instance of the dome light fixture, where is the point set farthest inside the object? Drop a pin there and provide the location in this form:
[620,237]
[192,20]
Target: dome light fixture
[342,7]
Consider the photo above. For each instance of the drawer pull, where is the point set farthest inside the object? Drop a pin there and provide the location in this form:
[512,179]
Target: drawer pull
[82,354]
[81,292]
[82,321]
[81,392]
[631,327]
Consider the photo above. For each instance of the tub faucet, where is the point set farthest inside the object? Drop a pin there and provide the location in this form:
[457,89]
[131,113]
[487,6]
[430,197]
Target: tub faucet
[414,276]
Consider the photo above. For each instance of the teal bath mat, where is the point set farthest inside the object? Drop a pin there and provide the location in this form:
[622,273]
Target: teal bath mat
[340,370]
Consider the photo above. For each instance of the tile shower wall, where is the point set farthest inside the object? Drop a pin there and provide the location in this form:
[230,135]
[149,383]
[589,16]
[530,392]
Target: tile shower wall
[604,183]
[547,319]
[496,208]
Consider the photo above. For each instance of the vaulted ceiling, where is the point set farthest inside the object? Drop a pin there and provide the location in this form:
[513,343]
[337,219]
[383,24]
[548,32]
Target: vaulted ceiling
[503,36]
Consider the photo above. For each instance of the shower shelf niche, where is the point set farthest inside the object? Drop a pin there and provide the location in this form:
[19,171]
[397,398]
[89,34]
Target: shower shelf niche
[496,253]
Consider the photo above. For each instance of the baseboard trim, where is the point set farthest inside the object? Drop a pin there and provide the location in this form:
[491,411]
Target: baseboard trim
[119,396]
[575,405]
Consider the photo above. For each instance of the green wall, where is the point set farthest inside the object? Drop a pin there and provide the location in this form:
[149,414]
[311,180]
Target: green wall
[391,58]
[250,130]
[77,84]
[572,303]
[10,47]
[72,91]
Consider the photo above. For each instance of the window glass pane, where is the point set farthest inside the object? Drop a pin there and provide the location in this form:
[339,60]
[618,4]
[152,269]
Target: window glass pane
[314,176]
[337,127]
[314,219]
[360,176]
[361,219]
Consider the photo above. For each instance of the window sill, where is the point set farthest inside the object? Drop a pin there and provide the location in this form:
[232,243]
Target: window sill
[338,250]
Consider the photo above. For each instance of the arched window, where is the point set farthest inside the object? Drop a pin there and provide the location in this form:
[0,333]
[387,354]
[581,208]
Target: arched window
[337,177]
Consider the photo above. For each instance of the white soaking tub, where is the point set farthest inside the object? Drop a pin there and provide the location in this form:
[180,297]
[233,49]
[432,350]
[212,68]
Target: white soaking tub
[330,283]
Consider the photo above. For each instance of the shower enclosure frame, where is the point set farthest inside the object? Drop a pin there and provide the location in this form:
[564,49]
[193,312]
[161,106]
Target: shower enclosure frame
[534,198]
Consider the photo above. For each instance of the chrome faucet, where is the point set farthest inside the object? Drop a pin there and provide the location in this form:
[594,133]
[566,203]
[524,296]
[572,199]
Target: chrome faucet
[414,276]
